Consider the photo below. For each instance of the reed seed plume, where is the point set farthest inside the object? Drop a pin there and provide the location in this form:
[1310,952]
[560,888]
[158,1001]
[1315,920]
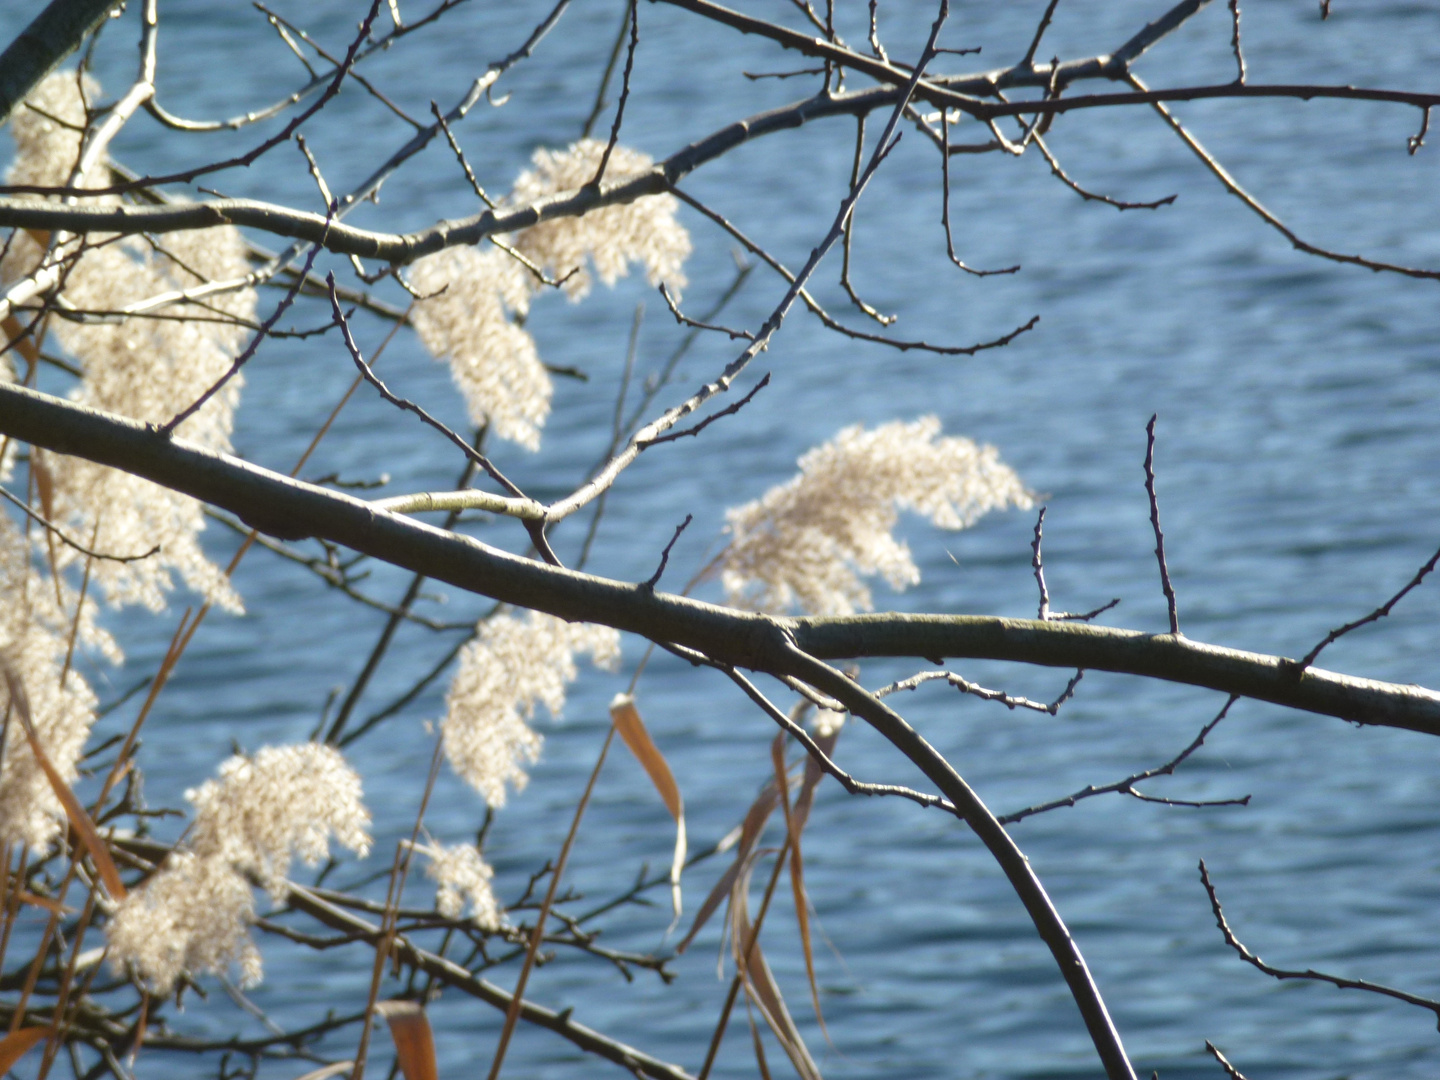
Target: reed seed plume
[607,240]
[515,664]
[121,298]
[463,879]
[477,300]
[809,542]
[250,823]
[35,627]
[470,324]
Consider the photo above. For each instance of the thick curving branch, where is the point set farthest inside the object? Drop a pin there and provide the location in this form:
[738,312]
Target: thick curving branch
[53,35]
[969,807]
[291,509]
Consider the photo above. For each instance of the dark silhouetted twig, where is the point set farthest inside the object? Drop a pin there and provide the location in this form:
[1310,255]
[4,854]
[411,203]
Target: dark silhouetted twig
[1155,524]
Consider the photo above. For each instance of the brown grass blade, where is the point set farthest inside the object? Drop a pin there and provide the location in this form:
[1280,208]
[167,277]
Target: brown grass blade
[760,1063]
[18,1043]
[761,988]
[793,825]
[79,819]
[414,1042]
[813,775]
[49,903]
[328,1071]
[626,719]
[750,830]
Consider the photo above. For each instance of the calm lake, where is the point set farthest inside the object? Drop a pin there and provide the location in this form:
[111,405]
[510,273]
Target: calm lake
[1298,462]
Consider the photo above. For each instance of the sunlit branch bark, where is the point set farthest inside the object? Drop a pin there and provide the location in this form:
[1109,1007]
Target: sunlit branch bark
[53,35]
[291,509]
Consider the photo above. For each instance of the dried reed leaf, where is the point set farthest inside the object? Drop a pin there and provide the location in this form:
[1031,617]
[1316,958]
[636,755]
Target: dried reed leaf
[49,903]
[328,1071]
[813,775]
[44,484]
[760,1063]
[79,819]
[793,825]
[414,1043]
[626,719]
[760,985]
[750,830]
[15,1045]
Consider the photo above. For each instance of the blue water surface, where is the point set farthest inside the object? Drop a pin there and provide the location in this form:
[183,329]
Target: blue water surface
[1297,457]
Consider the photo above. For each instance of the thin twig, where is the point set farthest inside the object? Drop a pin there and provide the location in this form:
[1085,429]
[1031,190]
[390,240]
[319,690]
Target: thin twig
[409,406]
[1093,196]
[600,102]
[654,578]
[829,321]
[856,162]
[512,1014]
[1230,1070]
[729,410]
[965,686]
[1235,41]
[1035,560]
[697,324]
[460,156]
[624,94]
[1028,60]
[945,205]
[260,335]
[1309,973]
[1414,142]
[1165,585]
[1374,616]
[1039,566]
[1233,186]
[1127,786]
[65,537]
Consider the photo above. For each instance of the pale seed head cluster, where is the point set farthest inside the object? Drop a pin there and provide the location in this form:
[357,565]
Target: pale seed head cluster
[478,299]
[515,664]
[38,621]
[462,879]
[809,542]
[144,367]
[194,913]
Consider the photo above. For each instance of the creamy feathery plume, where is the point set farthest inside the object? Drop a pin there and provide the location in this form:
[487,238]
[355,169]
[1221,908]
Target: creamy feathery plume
[808,542]
[462,878]
[476,299]
[609,239]
[515,664]
[492,359]
[141,367]
[194,913]
[35,628]
[286,801]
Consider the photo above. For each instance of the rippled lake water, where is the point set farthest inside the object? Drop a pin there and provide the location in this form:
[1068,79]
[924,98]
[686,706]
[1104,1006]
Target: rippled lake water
[1299,474]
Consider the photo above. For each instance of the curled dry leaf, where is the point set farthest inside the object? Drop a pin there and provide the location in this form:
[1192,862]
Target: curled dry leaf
[414,1042]
[793,824]
[759,981]
[626,719]
[17,1044]
[750,830]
